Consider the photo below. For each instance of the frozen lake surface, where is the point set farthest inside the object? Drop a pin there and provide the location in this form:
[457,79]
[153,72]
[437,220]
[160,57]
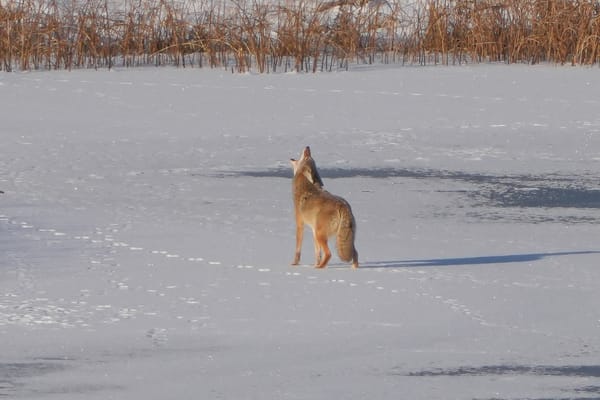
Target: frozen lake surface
[146,232]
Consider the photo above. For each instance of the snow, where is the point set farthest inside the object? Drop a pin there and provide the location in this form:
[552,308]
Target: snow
[146,232]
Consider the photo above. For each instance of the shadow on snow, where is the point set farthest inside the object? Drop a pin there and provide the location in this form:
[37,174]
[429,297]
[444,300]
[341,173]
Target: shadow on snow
[584,371]
[521,191]
[446,262]
[576,371]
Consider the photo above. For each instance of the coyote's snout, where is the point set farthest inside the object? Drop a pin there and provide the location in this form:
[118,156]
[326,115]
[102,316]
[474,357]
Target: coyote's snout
[326,214]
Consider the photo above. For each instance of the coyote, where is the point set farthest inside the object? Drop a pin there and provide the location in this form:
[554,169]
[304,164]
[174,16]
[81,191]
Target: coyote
[325,213]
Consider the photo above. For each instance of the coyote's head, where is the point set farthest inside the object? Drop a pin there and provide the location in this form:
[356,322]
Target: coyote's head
[307,167]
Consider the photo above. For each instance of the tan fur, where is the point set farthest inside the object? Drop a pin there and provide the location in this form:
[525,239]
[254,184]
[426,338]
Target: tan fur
[325,213]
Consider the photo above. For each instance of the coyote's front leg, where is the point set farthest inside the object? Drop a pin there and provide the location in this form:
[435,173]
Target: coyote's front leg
[317,250]
[299,236]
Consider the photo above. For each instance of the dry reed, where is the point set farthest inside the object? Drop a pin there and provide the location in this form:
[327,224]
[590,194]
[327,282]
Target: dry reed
[300,35]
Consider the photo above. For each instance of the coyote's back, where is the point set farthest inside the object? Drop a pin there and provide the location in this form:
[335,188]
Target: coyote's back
[325,213]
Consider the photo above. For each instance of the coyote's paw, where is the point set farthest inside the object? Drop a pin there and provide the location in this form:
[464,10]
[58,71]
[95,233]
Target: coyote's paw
[296,259]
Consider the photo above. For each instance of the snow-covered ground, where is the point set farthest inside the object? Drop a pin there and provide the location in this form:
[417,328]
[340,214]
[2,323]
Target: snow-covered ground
[146,232]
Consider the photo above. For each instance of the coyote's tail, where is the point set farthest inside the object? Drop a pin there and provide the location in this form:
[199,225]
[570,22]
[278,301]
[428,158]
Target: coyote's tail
[345,236]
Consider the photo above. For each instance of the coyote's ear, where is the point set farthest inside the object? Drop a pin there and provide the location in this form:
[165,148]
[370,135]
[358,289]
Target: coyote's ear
[316,178]
[313,176]
[309,175]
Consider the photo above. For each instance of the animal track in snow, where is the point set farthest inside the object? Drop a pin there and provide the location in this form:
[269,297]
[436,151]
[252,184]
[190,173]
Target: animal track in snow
[456,306]
[107,237]
[158,336]
[120,245]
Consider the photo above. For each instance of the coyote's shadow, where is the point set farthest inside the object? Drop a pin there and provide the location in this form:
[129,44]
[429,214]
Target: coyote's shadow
[482,260]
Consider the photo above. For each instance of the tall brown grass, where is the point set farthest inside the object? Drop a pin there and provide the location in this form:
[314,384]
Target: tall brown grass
[300,35]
